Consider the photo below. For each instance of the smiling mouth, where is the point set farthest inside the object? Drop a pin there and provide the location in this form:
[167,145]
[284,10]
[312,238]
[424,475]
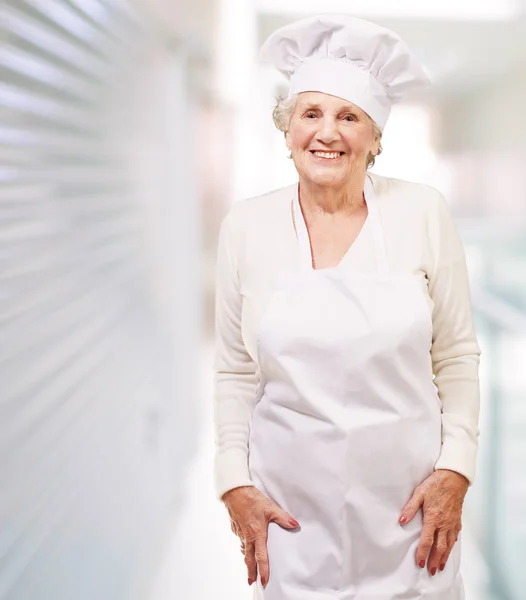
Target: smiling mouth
[327,155]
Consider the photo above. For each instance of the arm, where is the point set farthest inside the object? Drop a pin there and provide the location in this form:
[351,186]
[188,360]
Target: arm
[455,352]
[236,382]
[235,373]
[455,357]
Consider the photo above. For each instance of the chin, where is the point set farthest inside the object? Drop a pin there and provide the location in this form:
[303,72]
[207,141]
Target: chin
[326,179]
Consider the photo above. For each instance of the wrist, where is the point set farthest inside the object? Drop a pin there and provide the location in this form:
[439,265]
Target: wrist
[234,492]
[461,477]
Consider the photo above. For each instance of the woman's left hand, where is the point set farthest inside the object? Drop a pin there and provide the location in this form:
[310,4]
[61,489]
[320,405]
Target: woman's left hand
[442,496]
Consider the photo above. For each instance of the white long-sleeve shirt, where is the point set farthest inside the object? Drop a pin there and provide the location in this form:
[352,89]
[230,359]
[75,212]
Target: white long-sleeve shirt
[257,240]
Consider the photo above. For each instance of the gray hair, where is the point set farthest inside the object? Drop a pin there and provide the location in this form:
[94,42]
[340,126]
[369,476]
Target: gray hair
[282,114]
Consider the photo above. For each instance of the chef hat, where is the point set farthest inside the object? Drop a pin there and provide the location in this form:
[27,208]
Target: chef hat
[347,57]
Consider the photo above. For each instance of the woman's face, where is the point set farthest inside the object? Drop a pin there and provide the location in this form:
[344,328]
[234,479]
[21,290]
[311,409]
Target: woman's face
[329,139]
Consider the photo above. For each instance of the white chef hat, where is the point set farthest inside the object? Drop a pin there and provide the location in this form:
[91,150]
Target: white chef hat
[347,57]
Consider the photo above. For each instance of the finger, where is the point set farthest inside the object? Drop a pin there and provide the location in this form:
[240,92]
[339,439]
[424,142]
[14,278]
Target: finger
[233,527]
[262,559]
[451,540]
[283,518]
[457,532]
[250,560]
[440,547]
[412,507]
[427,538]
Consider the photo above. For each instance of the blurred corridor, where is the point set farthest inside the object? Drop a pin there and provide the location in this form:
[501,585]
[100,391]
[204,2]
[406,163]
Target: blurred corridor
[127,127]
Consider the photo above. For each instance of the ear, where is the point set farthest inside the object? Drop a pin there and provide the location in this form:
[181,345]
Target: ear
[376,147]
[287,140]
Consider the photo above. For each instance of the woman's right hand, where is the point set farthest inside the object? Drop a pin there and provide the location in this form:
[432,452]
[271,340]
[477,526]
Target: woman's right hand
[250,514]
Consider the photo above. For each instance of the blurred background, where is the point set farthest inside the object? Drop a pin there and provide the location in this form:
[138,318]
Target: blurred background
[126,130]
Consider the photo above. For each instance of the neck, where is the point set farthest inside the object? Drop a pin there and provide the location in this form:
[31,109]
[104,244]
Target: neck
[329,199]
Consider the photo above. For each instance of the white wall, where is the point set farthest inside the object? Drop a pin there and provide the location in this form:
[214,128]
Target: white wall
[482,136]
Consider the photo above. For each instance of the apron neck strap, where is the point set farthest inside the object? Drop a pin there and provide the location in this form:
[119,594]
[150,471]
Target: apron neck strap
[377,230]
[374,222]
[302,233]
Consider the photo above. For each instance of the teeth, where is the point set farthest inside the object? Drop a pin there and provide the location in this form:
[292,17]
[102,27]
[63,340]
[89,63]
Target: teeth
[327,154]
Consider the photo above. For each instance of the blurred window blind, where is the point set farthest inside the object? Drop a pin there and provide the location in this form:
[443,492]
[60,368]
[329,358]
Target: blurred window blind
[86,468]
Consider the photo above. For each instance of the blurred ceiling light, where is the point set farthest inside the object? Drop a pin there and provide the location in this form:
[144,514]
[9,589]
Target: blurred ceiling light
[465,10]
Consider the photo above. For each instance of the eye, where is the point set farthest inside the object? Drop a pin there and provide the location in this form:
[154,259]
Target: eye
[350,117]
[310,115]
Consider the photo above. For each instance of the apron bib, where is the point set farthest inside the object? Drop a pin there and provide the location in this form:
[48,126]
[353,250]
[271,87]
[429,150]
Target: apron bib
[347,423]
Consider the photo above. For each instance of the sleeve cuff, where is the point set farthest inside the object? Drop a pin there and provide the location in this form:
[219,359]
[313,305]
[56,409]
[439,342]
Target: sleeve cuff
[459,459]
[231,471]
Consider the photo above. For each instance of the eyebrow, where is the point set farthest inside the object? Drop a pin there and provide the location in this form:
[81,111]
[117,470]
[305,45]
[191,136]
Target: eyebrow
[342,108]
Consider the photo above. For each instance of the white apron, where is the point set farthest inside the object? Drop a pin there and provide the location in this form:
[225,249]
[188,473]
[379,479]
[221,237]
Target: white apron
[347,423]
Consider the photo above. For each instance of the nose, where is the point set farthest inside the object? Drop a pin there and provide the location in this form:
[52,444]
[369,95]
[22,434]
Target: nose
[328,130]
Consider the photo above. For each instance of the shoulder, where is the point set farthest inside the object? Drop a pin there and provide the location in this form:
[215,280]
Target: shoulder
[264,206]
[420,204]
[425,209]
[259,230]
[414,195]
[256,214]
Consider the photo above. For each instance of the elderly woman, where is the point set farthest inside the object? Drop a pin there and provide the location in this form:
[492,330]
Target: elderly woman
[346,369]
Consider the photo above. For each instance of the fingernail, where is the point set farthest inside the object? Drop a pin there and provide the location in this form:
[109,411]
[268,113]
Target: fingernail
[422,564]
[433,570]
[442,567]
[403,519]
[293,522]
[263,582]
[250,581]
